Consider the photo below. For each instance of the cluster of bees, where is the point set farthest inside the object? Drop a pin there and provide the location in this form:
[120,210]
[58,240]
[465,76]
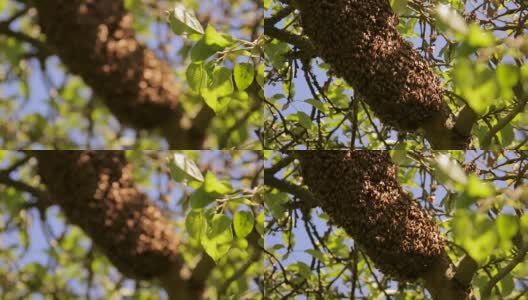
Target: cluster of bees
[358,38]
[96,192]
[106,55]
[360,192]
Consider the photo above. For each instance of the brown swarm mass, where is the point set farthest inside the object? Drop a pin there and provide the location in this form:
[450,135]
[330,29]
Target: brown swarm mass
[358,38]
[360,192]
[96,191]
[95,40]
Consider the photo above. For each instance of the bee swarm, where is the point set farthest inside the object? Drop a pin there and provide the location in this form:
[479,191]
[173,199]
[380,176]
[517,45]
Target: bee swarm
[95,40]
[96,191]
[360,192]
[358,38]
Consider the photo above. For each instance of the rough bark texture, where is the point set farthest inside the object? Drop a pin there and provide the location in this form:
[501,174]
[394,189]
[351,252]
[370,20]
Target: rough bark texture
[360,192]
[96,41]
[96,191]
[358,38]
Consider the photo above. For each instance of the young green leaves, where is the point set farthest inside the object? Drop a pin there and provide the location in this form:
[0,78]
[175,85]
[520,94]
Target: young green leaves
[183,168]
[208,75]
[184,21]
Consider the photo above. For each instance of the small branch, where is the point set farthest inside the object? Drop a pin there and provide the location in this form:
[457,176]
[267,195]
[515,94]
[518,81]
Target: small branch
[521,105]
[44,49]
[289,188]
[290,38]
[280,165]
[281,14]
[41,195]
[14,166]
[486,291]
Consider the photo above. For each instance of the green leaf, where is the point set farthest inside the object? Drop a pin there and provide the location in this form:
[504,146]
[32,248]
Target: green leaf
[218,238]
[195,224]
[276,53]
[478,38]
[449,19]
[507,77]
[200,51]
[195,75]
[304,120]
[214,186]
[243,222]
[301,268]
[317,254]
[507,226]
[506,135]
[448,171]
[399,6]
[243,73]
[260,75]
[260,223]
[506,285]
[183,20]
[317,104]
[478,189]
[275,203]
[222,84]
[181,168]
[200,198]
[475,233]
[210,98]
[476,83]
[213,38]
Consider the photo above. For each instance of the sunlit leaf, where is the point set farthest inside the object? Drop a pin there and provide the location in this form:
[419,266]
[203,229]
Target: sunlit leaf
[244,74]
[181,167]
[183,20]
[243,222]
[217,239]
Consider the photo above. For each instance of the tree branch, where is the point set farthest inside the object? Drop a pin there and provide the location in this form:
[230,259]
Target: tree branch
[289,188]
[519,258]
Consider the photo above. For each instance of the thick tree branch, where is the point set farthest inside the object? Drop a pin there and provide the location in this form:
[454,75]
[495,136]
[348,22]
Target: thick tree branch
[290,188]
